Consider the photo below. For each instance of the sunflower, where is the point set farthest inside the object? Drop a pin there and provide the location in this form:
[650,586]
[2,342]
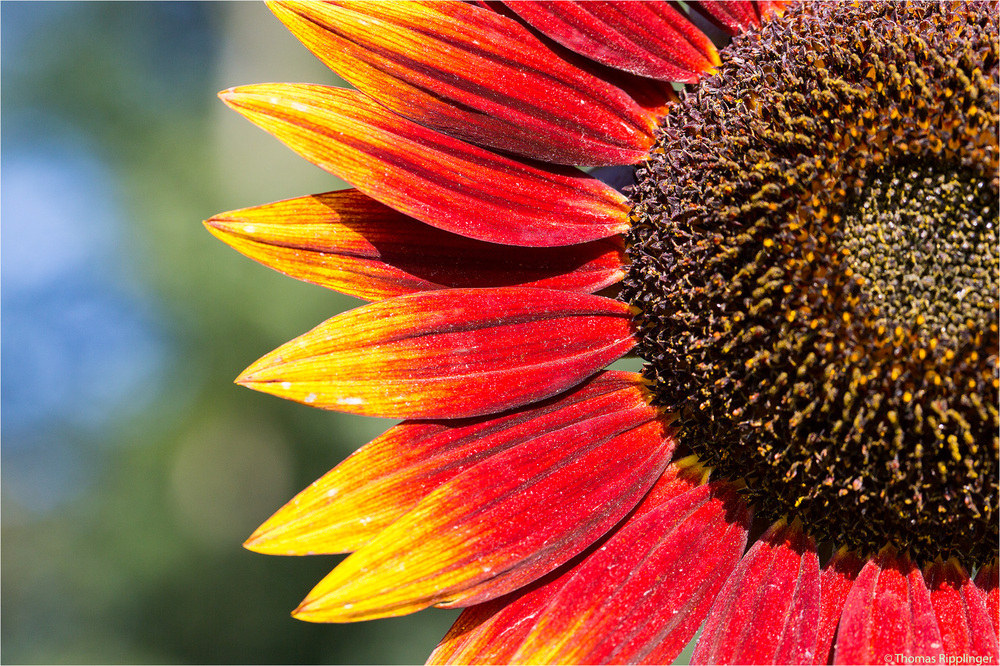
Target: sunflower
[805,260]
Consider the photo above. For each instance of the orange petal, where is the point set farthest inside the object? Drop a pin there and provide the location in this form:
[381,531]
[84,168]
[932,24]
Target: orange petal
[370,490]
[888,612]
[770,8]
[349,242]
[448,354]
[476,75]
[505,522]
[962,614]
[430,176]
[768,610]
[646,38]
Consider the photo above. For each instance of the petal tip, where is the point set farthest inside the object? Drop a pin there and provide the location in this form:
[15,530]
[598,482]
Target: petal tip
[228,94]
[257,542]
[251,545]
[219,226]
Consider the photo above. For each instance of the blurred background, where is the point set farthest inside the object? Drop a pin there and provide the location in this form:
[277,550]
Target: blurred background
[132,467]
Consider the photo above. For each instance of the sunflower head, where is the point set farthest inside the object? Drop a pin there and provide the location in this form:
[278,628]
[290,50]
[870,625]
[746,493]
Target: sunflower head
[807,263]
[815,254]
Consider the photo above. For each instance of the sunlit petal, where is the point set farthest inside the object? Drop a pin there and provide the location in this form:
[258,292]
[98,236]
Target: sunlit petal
[963,618]
[646,38]
[641,597]
[476,75]
[768,610]
[523,512]
[448,354]
[835,582]
[888,612]
[350,242]
[430,176]
[380,483]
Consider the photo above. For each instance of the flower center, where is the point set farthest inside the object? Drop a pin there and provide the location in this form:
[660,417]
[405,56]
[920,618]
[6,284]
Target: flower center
[921,239]
[814,255]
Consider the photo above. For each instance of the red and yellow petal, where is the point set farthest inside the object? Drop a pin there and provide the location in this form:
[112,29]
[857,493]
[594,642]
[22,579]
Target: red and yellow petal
[835,582]
[768,610]
[448,354]
[476,75]
[769,8]
[382,481]
[349,242]
[645,38]
[888,612]
[430,176]
[492,632]
[962,615]
[482,634]
[641,597]
[503,523]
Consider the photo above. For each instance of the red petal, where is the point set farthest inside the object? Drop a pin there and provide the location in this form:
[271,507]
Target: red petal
[503,523]
[448,354]
[988,581]
[733,16]
[430,176]
[475,75]
[481,636]
[768,610]
[642,596]
[961,612]
[835,582]
[888,612]
[646,38]
[349,242]
[654,96]
[380,483]
[492,632]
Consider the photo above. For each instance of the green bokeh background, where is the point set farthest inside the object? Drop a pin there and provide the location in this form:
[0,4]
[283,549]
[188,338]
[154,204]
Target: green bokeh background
[132,466]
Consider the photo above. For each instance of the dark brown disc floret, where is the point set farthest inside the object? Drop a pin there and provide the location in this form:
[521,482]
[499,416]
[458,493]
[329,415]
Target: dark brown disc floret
[814,254]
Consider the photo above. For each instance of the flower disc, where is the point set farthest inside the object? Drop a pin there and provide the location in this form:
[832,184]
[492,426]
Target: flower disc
[814,254]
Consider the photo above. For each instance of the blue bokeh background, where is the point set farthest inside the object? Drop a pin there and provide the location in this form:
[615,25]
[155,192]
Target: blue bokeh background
[132,467]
